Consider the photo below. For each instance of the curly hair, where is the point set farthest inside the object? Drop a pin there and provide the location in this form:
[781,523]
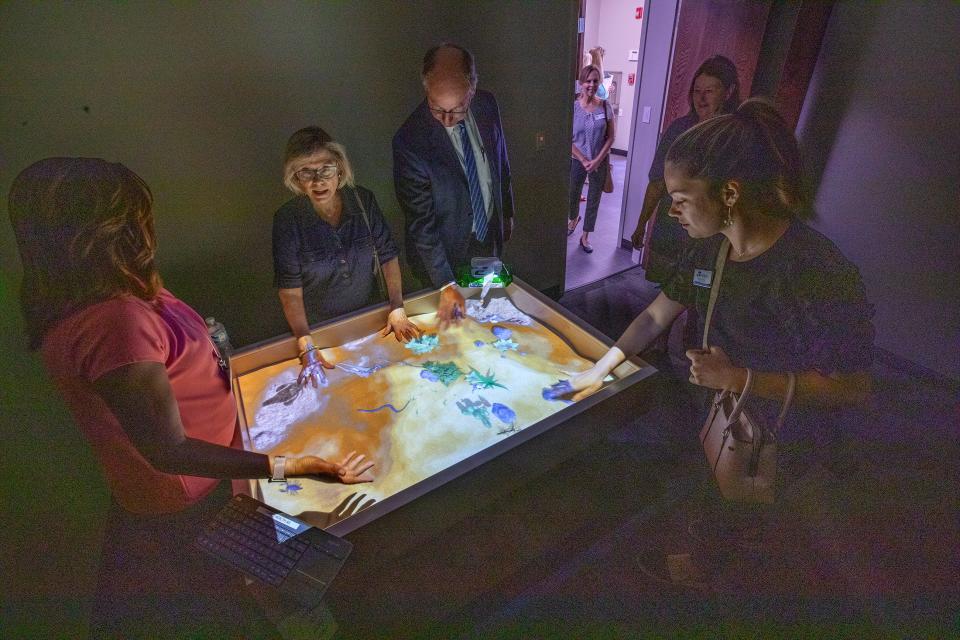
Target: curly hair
[85,231]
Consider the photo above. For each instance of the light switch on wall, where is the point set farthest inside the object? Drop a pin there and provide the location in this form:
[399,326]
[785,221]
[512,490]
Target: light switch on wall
[633,55]
[646,115]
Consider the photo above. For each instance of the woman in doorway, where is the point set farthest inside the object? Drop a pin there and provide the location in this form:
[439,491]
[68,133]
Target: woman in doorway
[595,57]
[144,383]
[593,133]
[331,244]
[715,89]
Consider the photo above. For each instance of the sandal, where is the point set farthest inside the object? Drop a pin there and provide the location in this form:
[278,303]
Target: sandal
[571,229]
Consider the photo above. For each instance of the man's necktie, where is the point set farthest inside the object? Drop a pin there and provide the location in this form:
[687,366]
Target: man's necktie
[473,180]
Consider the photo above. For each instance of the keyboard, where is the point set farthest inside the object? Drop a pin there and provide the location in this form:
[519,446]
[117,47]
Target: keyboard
[274,547]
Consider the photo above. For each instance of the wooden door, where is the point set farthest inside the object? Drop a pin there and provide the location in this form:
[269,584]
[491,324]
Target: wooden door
[732,28]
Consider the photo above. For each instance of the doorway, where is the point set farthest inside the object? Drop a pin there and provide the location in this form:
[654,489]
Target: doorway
[774,46]
[614,25]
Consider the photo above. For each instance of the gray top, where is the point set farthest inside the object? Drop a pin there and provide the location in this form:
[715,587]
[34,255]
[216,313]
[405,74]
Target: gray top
[589,129]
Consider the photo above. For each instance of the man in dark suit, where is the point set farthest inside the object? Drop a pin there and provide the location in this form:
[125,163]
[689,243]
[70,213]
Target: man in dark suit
[452,176]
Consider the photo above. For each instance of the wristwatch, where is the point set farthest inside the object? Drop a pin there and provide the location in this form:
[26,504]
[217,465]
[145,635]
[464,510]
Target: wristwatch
[279,469]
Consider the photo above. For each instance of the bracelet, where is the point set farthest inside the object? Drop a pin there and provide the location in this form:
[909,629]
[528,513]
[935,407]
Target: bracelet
[449,284]
[306,351]
[279,469]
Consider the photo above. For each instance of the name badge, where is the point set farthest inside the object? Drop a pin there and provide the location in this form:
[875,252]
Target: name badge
[600,116]
[702,278]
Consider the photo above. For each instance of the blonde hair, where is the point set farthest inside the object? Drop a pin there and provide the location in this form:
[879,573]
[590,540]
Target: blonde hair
[307,143]
[586,71]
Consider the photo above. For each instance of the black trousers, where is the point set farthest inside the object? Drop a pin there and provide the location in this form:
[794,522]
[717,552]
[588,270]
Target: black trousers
[577,176]
[154,583]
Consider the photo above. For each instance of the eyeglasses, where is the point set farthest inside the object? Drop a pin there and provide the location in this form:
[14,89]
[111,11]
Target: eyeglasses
[449,112]
[326,172]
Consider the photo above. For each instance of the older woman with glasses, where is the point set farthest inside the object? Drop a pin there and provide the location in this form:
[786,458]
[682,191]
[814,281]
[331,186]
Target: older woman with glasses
[332,249]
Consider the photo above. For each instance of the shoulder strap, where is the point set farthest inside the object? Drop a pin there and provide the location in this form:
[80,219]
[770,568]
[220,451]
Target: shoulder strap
[363,210]
[787,399]
[715,287]
[377,267]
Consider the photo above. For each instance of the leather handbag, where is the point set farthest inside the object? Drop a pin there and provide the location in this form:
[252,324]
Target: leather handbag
[740,449]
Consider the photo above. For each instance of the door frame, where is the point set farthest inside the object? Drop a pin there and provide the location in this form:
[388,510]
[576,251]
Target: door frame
[657,42]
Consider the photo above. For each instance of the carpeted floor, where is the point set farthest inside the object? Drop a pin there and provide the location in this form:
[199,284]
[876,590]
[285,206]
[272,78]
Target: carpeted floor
[863,547]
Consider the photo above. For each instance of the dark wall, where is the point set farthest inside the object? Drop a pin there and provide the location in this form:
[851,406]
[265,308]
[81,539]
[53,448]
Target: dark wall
[199,99]
[880,137]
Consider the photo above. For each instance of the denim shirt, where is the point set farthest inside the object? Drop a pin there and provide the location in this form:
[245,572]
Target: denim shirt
[334,267]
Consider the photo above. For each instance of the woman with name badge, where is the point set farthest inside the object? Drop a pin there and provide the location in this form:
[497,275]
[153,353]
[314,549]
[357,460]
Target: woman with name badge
[593,134]
[790,310]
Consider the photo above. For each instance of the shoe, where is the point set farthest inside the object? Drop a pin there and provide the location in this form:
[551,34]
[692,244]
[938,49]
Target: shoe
[586,247]
[573,227]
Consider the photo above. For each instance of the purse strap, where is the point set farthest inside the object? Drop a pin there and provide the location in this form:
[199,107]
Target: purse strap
[714,292]
[787,400]
[377,267]
[741,400]
[715,287]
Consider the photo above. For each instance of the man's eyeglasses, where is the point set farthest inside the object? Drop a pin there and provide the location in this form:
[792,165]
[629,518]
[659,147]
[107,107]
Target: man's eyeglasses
[326,172]
[449,112]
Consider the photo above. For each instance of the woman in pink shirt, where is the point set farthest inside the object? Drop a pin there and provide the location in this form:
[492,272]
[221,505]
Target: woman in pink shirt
[143,381]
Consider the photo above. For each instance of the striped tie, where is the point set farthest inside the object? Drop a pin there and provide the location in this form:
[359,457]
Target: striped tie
[473,180]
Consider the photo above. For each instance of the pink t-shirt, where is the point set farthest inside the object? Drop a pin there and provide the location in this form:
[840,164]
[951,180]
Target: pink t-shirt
[104,336]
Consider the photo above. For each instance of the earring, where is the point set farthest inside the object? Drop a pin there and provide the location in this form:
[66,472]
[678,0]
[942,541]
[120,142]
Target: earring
[728,220]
